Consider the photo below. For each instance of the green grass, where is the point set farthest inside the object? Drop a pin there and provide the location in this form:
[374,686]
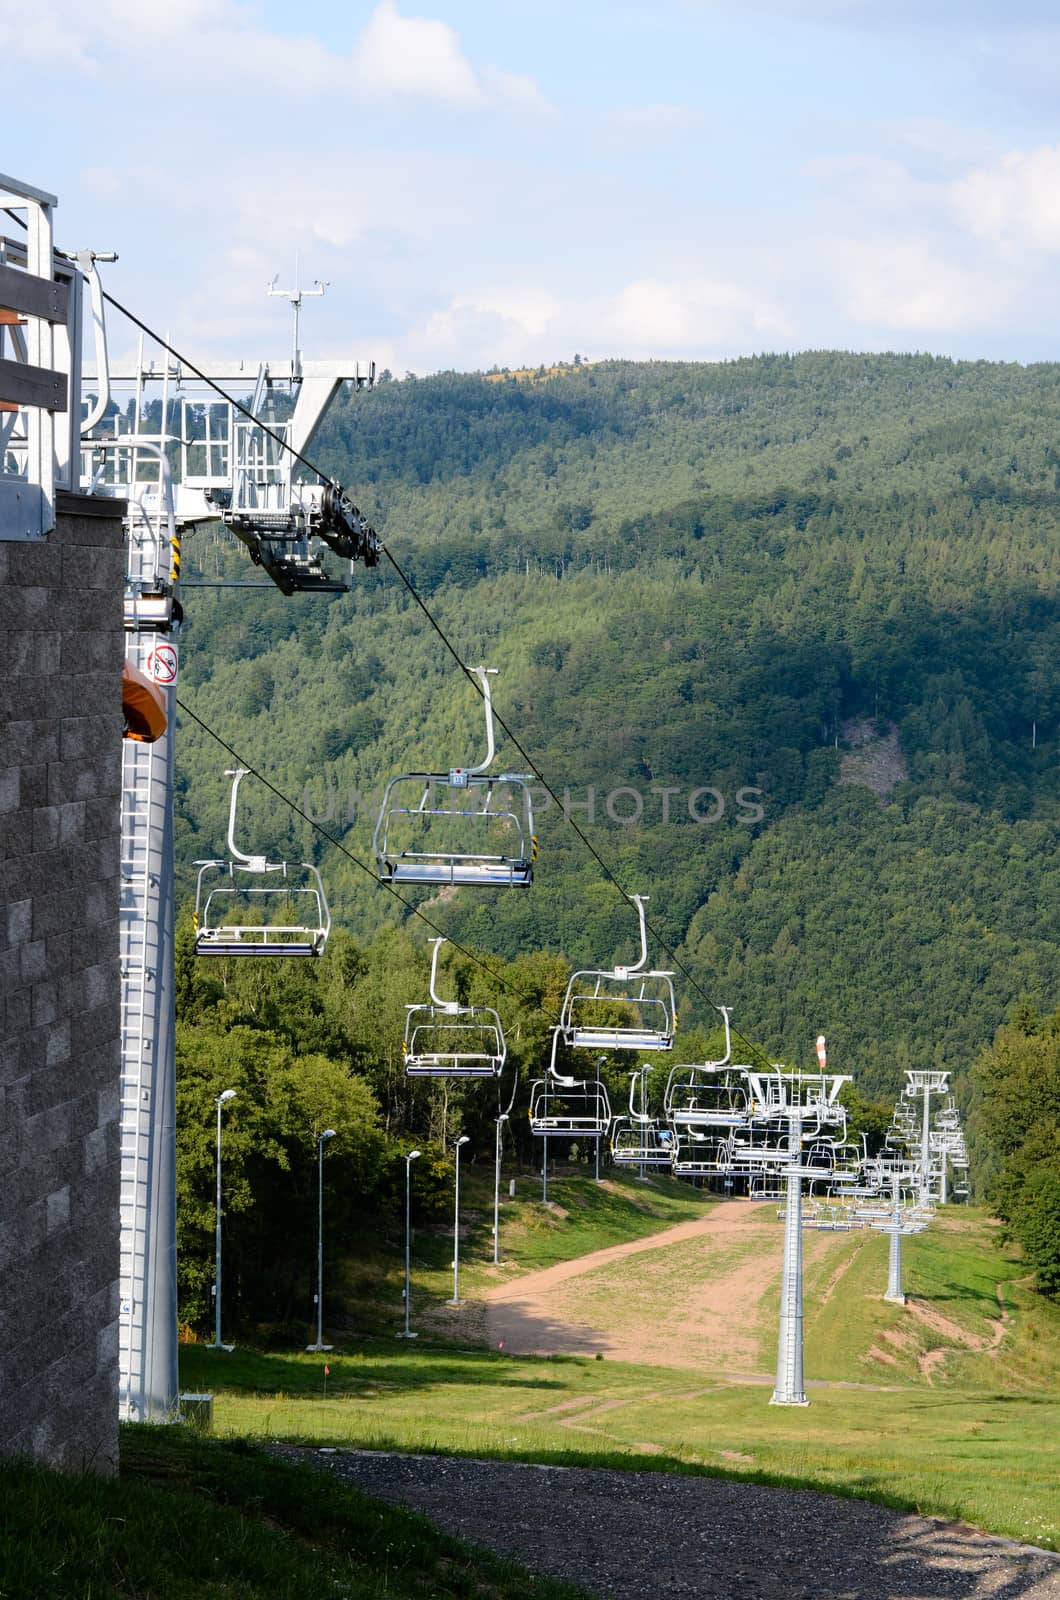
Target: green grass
[988,1457]
[581,1216]
[975,1435]
[194,1520]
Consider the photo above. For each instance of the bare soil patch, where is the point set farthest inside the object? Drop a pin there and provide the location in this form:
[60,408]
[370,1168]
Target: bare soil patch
[698,1287]
[872,760]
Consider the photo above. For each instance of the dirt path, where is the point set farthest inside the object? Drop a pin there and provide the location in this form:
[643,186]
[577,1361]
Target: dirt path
[932,1361]
[715,1318]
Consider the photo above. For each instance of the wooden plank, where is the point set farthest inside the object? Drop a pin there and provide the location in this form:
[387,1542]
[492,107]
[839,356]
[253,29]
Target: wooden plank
[33,296]
[33,386]
[11,319]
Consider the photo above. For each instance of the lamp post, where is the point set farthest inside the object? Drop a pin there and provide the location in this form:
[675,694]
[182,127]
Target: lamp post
[501,1117]
[412,1156]
[328,1133]
[455,1301]
[222,1100]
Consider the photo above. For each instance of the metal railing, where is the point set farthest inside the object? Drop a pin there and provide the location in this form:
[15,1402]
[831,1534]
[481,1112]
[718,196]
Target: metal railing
[40,365]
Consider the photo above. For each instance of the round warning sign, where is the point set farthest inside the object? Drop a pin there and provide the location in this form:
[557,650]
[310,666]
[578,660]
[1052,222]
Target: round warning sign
[162,663]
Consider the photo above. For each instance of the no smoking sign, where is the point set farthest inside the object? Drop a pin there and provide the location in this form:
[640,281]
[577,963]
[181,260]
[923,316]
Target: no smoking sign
[162,663]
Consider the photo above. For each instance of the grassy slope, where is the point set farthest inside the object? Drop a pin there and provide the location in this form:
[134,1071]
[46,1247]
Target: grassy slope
[582,1216]
[192,1519]
[977,1437]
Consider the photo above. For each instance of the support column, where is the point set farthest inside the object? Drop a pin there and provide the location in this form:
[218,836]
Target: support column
[789,1389]
[894,1262]
[894,1270]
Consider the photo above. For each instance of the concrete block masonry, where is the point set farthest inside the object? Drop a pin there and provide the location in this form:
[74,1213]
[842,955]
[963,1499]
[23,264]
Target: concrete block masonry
[61,649]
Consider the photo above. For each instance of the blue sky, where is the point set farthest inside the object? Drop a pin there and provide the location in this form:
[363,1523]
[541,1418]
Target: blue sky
[510,183]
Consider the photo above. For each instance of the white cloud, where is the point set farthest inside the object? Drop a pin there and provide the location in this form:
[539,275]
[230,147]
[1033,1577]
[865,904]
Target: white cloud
[514,90]
[905,285]
[414,56]
[1015,202]
[657,316]
[648,317]
[214,44]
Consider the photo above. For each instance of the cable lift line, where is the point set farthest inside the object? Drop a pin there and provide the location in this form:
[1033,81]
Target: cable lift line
[645,999]
[228,889]
[296,446]
[444,1039]
[465,806]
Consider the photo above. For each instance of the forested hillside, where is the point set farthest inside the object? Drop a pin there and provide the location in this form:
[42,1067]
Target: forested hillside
[804,612]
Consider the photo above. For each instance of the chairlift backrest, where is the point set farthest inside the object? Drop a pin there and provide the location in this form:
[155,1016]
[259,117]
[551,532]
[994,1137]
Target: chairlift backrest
[623,1008]
[462,826]
[444,1039]
[229,890]
[707,1096]
[561,1104]
[644,1144]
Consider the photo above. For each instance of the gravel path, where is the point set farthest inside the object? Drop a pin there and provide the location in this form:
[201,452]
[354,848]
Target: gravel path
[637,1535]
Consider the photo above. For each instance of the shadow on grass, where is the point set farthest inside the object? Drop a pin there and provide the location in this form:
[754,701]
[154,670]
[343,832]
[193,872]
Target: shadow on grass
[423,1366]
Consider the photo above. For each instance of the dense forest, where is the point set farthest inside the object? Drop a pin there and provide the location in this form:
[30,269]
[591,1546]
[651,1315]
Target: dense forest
[783,636]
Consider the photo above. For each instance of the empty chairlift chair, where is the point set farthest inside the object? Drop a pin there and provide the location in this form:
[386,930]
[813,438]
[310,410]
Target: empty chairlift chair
[251,906]
[709,1094]
[579,1107]
[640,1140]
[626,1008]
[464,826]
[702,1154]
[444,1039]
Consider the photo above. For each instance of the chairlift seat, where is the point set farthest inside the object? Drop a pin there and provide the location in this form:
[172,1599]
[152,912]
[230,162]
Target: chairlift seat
[223,886]
[444,1039]
[453,1042]
[701,1155]
[498,868]
[641,1144]
[472,829]
[646,999]
[706,1096]
[561,1105]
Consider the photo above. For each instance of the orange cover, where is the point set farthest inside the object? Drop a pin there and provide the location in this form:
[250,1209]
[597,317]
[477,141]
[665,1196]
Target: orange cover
[144,706]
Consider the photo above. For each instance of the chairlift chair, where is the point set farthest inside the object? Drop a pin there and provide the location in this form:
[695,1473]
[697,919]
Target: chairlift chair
[706,1097]
[462,808]
[566,1105]
[644,999]
[701,1155]
[444,1039]
[226,888]
[635,1144]
[640,1139]
[765,1186]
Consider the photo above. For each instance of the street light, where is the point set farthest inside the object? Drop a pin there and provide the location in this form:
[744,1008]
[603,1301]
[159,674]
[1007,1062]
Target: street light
[412,1156]
[455,1301]
[501,1117]
[328,1133]
[222,1099]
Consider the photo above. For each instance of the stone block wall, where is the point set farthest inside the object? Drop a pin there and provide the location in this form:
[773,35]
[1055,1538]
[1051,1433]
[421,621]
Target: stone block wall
[61,649]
